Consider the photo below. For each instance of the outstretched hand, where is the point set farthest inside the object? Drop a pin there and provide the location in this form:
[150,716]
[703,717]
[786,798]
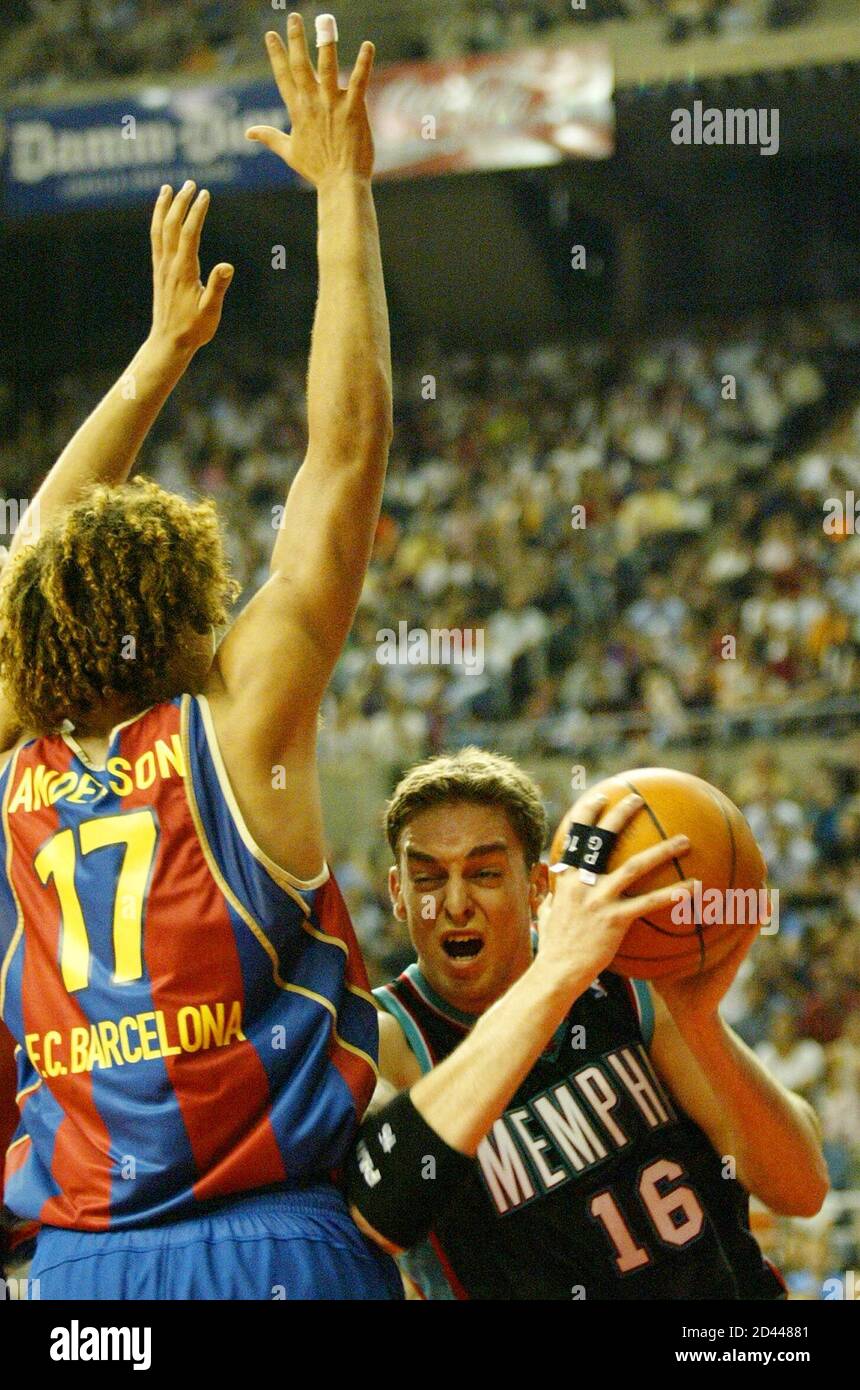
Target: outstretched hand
[329,127]
[185,313]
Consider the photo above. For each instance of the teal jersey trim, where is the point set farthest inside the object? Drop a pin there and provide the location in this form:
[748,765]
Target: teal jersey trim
[392,1005]
[646,1009]
[441,1006]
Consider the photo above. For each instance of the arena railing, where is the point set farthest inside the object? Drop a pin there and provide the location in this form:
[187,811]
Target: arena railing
[597,732]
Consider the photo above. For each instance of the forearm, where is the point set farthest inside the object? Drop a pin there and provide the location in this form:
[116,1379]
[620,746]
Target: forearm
[456,1103]
[349,375]
[463,1097]
[105,447]
[773,1134]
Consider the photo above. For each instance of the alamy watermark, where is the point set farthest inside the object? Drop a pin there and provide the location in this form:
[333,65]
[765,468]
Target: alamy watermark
[440,646]
[743,907]
[734,126]
[847,1288]
[77,1343]
[19,1290]
[842,515]
[19,513]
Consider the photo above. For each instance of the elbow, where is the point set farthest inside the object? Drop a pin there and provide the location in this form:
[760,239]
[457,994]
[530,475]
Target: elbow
[806,1197]
[362,442]
[376,431]
[374,419]
[807,1202]
[817,1183]
[796,1186]
[816,1201]
[816,1187]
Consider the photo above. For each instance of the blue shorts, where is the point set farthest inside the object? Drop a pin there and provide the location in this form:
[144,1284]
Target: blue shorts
[267,1245]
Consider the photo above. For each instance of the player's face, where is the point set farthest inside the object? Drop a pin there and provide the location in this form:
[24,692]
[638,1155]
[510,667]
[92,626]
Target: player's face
[463,889]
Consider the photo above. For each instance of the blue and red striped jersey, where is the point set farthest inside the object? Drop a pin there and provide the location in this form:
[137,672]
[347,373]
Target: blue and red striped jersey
[192,1021]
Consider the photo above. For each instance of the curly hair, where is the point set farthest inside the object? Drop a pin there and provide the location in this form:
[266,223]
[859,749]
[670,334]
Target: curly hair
[470,775]
[93,612]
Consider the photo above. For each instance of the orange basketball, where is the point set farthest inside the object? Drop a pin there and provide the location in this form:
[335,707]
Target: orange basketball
[682,939]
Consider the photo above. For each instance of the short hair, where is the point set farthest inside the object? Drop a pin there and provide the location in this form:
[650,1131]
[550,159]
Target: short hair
[128,562]
[476,776]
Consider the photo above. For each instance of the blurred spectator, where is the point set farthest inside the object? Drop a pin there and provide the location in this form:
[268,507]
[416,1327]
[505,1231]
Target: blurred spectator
[49,42]
[838,1107]
[797,1062]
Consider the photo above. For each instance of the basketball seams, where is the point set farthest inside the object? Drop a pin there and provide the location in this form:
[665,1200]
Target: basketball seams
[661,832]
[717,796]
[698,929]
[664,931]
[725,857]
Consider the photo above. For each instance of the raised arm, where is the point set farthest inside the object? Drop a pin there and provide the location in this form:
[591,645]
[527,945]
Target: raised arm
[185,316]
[277,659]
[273,666]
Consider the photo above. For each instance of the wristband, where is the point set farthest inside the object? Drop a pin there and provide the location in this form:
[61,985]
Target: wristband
[401,1175]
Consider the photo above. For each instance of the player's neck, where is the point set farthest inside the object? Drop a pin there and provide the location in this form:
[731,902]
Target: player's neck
[91,736]
[477,1006]
[99,723]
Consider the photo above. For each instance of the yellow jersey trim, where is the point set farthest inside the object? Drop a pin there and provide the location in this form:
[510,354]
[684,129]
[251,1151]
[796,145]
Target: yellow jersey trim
[78,751]
[282,877]
[255,928]
[27,1090]
[19,926]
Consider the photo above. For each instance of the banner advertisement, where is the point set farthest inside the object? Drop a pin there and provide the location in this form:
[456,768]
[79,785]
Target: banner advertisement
[508,110]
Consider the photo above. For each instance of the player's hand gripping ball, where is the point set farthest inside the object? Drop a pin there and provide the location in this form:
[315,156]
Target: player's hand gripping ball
[695,934]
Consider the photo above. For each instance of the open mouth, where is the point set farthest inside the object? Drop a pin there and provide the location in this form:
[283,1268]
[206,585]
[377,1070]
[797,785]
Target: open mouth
[462,946]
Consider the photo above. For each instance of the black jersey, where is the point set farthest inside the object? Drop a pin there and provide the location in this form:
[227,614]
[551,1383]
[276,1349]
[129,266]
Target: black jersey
[593,1184]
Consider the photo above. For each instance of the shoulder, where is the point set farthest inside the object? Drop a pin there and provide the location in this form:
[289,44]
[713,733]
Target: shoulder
[397,1062]
[10,748]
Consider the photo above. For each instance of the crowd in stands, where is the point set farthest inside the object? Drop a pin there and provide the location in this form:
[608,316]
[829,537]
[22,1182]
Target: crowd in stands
[796,1000]
[663,537]
[47,44]
[650,531]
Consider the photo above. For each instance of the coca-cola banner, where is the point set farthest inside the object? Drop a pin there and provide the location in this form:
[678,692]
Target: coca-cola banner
[532,106]
[499,111]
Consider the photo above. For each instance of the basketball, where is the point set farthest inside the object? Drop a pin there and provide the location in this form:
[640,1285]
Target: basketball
[724,856]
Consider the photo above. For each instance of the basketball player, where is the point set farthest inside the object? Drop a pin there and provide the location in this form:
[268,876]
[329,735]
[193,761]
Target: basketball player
[197,1042]
[559,1131]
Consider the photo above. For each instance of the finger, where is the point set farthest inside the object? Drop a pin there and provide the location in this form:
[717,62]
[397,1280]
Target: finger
[587,810]
[327,55]
[175,217]
[589,806]
[274,140]
[360,78]
[192,227]
[300,60]
[638,865]
[658,899]
[216,287]
[156,227]
[279,58]
[623,811]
